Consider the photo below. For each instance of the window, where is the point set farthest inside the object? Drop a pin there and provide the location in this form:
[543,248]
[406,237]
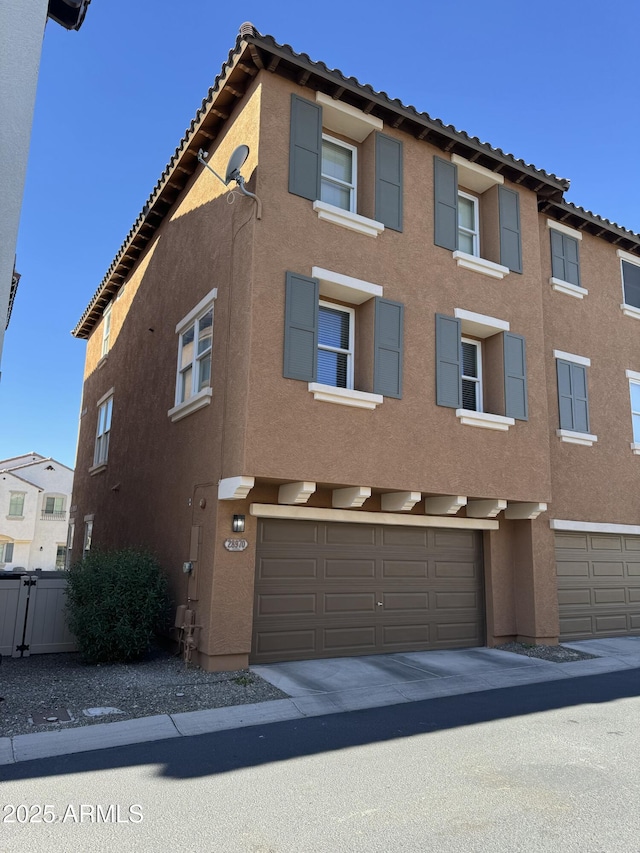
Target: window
[103,432]
[53,508]
[106,329]
[471,375]
[195,347]
[16,505]
[88,533]
[468,224]
[484,377]
[324,169]
[6,552]
[630,283]
[319,338]
[70,534]
[335,345]
[61,556]
[466,194]
[573,402]
[338,174]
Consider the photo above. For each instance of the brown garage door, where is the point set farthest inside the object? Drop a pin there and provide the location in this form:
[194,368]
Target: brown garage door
[598,584]
[328,589]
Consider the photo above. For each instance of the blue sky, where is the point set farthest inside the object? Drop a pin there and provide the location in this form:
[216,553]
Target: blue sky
[554,83]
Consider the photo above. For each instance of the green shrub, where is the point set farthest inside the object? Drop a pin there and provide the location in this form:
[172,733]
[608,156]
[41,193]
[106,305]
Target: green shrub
[116,601]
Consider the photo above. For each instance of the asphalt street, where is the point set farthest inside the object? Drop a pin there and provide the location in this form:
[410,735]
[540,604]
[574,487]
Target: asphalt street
[542,767]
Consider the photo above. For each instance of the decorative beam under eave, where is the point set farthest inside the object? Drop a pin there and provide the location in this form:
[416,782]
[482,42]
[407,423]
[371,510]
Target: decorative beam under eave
[528,511]
[400,501]
[235,488]
[485,509]
[350,498]
[445,505]
[295,493]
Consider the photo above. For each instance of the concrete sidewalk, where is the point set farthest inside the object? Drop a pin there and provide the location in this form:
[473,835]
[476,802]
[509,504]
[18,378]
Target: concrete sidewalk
[336,685]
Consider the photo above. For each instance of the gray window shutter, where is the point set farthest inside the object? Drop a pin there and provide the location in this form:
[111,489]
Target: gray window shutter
[305,148]
[8,552]
[448,378]
[515,377]
[572,396]
[388,345]
[301,327]
[389,181]
[510,243]
[445,203]
[565,261]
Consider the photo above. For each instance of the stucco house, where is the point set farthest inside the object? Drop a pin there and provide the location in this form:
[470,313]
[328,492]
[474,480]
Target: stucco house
[35,494]
[354,413]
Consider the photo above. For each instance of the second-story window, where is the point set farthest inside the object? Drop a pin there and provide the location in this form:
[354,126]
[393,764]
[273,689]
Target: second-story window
[194,372]
[335,345]
[16,505]
[53,508]
[103,431]
[339,171]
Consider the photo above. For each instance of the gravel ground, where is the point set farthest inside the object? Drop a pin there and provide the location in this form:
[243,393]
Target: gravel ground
[59,685]
[555,654]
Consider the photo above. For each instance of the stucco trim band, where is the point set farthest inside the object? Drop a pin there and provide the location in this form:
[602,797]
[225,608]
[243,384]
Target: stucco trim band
[594,526]
[307,513]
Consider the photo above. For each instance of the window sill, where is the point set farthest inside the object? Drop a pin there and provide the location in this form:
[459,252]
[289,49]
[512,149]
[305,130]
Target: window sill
[98,469]
[484,420]
[346,219]
[345,396]
[572,437]
[472,262]
[630,311]
[198,401]
[14,517]
[568,288]
[635,448]
[102,361]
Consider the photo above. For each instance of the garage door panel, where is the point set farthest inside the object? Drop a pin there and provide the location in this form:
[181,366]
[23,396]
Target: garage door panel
[571,542]
[365,589]
[350,534]
[349,603]
[418,601]
[451,569]
[287,605]
[289,531]
[405,569]
[348,569]
[598,595]
[272,569]
[352,639]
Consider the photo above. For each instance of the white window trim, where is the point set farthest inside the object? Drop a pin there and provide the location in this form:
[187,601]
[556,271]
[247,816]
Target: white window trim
[350,353]
[345,396]
[20,517]
[567,288]
[334,285]
[564,229]
[634,379]
[475,177]
[353,186]
[478,264]
[345,119]
[200,398]
[106,330]
[572,437]
[484,420]
[346,219]
[628,310]
[476,379]
[475,233]
[480,325]
[568,356]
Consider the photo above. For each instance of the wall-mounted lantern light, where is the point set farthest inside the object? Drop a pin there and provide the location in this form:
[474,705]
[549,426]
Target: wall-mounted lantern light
[238,524]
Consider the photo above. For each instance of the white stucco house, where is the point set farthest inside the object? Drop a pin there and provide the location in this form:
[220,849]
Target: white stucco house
[35,492]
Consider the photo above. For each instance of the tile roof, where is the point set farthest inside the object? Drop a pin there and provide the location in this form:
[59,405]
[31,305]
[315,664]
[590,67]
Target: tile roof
[254,52]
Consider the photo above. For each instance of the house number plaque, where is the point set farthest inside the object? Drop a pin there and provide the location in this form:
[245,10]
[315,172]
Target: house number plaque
[235,544]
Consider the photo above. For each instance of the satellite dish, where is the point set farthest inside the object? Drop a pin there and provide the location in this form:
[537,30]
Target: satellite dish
[236,161]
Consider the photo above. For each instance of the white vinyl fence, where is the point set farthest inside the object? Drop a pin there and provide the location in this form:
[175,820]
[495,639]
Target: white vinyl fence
[32,619]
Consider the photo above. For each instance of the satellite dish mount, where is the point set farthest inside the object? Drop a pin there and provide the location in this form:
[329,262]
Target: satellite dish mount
[236,162]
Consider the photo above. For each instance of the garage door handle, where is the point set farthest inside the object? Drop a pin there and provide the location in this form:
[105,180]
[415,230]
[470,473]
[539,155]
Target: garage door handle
[379,604]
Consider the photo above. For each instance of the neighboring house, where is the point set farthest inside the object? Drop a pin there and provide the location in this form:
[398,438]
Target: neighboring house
[22,26]
[392,405]
[35,493]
